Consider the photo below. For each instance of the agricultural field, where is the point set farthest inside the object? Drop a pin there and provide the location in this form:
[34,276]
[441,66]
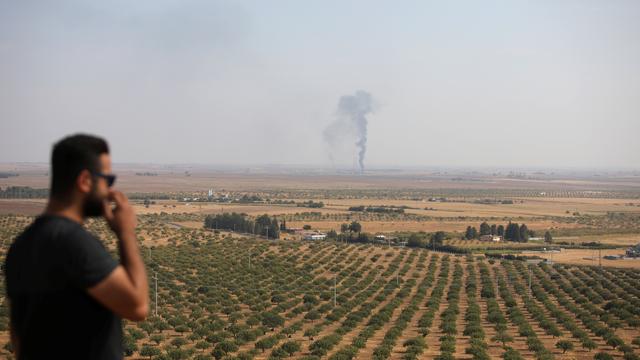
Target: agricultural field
[587,220]
[232,296]
[570,205]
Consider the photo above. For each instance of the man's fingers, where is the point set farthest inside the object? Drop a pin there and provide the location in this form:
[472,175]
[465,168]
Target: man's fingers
[118,197]
[108,211]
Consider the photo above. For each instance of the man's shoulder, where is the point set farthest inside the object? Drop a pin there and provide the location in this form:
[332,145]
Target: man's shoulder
[54,233]
[49,225]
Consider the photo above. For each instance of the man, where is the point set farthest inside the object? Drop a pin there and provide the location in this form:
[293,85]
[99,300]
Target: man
[67,294]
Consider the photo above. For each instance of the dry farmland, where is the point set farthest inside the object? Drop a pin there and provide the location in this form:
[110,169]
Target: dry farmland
[223,296]
[227,295]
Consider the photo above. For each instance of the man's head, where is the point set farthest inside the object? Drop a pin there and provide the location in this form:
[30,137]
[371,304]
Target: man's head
[81,172]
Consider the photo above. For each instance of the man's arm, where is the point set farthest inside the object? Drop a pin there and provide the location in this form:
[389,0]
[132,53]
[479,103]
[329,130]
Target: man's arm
[125,291]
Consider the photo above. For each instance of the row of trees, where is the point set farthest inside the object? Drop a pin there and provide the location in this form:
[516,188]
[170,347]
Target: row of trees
[422,239]
[350,232]
[23,192]
[4,175]
[377,209]
[512,232]
[347,231]
[354,227]
[353,233]
[262,225]
[311,204]
[517,317]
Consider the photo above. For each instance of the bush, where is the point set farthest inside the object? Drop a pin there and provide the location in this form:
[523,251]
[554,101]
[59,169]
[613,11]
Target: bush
[129,345]
[312,315]
[150,351]
[614,342]
[511,354]
[177,354]
[278,353]
[564,345]
[445,356]
[414,347]
[630,356]
[227,346]
[588,344]
[291,347]
[266,343]
[602,356]
[502,337]
[272,320]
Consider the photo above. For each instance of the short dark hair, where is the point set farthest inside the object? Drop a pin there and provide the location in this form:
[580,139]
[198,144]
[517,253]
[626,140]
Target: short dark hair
[70,156]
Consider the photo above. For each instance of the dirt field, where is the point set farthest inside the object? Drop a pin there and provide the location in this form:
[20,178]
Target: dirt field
[574,213]
[621,239]
[201,178]
[21,207]
[587,257]
[525,207]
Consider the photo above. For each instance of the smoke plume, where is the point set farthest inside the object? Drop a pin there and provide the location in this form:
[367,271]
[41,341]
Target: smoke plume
[350,126]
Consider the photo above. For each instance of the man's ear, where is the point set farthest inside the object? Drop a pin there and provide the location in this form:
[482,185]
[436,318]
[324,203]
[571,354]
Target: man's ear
[84,182]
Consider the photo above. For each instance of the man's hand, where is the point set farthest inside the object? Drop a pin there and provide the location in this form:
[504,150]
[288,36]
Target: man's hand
[121,218]
[125,291]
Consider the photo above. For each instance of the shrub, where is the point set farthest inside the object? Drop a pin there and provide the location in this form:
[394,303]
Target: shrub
[602,356]
[511,354]
[291,347]
[564,345]
[150,351]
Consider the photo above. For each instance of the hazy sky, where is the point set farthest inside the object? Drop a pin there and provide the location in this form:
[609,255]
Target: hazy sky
[512,83]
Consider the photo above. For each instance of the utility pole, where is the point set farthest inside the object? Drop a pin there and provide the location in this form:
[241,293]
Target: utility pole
[155,277]
[600,259]
[600,256]
[530,279]
[335,292]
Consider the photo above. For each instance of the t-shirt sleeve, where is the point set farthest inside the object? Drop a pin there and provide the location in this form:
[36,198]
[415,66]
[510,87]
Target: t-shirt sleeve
[88,262]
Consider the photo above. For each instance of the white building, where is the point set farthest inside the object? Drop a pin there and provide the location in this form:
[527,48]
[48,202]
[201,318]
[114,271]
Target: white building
[494,238]
[315,236]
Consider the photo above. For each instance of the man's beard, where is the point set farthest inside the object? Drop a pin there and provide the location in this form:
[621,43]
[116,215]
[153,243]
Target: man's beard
[93,205]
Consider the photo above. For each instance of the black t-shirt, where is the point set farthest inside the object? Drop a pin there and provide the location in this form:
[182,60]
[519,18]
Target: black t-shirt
[48,269]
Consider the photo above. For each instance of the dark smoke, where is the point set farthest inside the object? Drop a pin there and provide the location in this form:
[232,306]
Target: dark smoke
[351,122]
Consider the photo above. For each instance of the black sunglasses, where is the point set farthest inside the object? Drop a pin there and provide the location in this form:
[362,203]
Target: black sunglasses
[110,178]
